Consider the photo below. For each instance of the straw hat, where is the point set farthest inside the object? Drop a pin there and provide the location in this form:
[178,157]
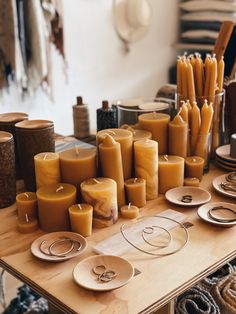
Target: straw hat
[132,18]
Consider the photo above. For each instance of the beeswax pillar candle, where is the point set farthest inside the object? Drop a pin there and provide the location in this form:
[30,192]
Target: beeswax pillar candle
[26,203]
[81,217]
[27,224]
[194,167]
[77,165]
[195,126]
[101,193]
[33,137]
[191,181]
[7,170]
[125,138]
[47,169]
[157,124]
[171,172]
[139,135]
[53,203]
[178,135]
[129,211]
[111,165]
[7,124]
[135,189]
[146,165]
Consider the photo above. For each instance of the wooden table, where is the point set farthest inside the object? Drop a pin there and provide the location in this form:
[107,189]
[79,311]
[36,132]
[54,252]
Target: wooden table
[160,280]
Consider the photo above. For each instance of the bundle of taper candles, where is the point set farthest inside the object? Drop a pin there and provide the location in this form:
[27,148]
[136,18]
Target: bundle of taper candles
[199,80]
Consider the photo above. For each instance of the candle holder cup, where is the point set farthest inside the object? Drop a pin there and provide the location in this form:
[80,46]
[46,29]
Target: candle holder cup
[219,128]
[203,149]
[129,110]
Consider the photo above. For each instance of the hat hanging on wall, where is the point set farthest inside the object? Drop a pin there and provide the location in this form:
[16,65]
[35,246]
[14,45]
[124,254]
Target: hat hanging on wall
[132,19]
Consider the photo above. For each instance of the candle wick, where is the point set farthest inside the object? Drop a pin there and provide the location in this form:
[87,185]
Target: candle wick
[80,207]
[135,180]
[129,205]
[96,180]
[26,195]
[194,159]
[59,188]
[45,156]
[76,150]
[26,218]
[166,157]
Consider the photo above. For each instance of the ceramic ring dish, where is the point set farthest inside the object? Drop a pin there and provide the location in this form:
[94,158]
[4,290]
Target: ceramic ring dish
[188,196]
[64,244]
[217,184]
[85,275]
[203,213]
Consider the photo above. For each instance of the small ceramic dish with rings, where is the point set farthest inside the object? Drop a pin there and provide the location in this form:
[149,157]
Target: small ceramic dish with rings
[188,196]
[218,213]
[58,246]
[103,272]
[223,186]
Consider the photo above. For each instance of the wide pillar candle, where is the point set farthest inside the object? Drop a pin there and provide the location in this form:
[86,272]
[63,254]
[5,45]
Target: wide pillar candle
[171,172]
[7,170]
[27,204]
[125,138]
[178,137]
[111,165]
[139,134]
[81,217]
[194,167]
[53,203]
[47,169]
[135,189]
[146,165]
[77,165]
[157,124]
[101,193]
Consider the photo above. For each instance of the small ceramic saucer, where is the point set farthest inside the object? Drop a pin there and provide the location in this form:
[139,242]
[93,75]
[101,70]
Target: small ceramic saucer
[188,196]
[223,152]
[216,184]
[85,277]
[79,245]
[203,213]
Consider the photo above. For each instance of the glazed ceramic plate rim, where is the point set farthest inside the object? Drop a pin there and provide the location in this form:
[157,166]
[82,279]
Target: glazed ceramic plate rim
[114,284]
[225,162]
[226,156]
[75,236]
[202,213]
[225,167]
[216,182]
[170,198]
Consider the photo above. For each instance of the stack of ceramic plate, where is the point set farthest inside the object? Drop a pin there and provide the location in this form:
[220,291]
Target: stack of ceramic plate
[223,158]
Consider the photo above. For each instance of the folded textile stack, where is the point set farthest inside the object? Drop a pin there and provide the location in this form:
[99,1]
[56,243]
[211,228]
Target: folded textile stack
[201,21]
[214,294]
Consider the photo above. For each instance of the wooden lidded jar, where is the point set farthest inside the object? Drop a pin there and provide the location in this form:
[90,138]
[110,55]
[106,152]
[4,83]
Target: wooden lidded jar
[81,119]
[7,170]
[7,124]
[33,137]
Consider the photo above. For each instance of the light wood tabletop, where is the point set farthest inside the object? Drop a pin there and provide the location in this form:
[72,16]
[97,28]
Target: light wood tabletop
[160,279]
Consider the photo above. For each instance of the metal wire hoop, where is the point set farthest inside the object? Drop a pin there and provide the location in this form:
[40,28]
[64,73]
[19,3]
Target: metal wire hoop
[213,217]
[159,254]
[152,230]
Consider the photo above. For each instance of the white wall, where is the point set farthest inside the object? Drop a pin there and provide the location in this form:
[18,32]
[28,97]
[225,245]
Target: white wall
[98,68]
